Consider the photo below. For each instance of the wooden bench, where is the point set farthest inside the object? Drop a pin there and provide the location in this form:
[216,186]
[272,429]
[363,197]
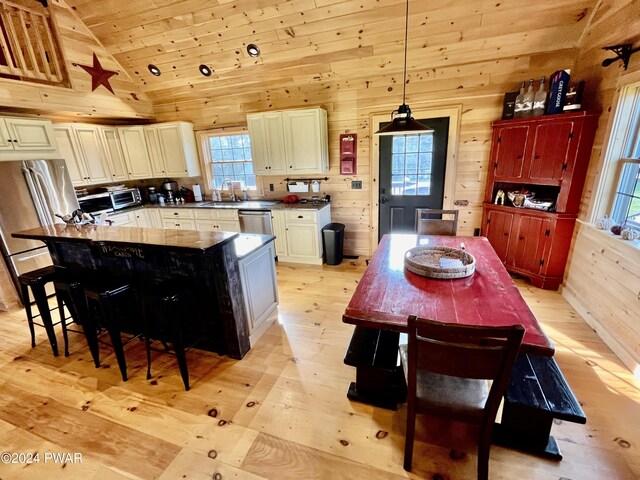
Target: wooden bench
[538,394]
[379,377]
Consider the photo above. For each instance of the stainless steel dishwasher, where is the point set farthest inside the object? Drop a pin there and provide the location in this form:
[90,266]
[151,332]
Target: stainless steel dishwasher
[255,221]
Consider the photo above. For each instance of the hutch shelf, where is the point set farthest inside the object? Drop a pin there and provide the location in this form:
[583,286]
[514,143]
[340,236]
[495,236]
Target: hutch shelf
[548,156]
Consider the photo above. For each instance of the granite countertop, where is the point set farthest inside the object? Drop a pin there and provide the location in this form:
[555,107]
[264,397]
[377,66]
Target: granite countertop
[247,243]
[249,205]
[130,236]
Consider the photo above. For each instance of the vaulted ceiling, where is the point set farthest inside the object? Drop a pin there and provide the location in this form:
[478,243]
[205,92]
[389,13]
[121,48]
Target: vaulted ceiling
[319,42]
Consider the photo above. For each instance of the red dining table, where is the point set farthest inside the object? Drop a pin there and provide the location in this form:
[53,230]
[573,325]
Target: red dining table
[388,293]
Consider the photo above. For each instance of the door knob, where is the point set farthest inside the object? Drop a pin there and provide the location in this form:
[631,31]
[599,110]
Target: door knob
[383,199]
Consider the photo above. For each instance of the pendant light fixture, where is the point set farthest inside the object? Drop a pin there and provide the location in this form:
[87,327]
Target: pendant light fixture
[402,122]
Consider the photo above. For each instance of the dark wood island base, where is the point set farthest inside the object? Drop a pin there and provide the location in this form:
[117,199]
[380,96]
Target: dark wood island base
[206,262]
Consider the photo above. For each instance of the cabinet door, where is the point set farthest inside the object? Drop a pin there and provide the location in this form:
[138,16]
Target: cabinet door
[498,231]
[153,215]
[29,135]
[302,240]
[178,148]
[142,218]
[280,231]
[258,276]
[267,143]
[113,153]
[305,140]
[528,243]
[6,143]
[553,147]
[184,224]
[228,226]
[510,151]
[91,150]
[127,219]
[70,151]
[155,156]
[135,152]
[207,225]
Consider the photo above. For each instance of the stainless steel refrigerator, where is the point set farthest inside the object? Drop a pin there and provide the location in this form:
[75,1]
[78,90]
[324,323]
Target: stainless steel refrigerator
[31,193]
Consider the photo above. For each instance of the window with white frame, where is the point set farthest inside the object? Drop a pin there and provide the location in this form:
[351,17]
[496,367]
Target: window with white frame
[626,200]
[229,158]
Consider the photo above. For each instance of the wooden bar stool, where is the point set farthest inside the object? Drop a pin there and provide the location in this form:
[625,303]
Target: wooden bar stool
[36,280]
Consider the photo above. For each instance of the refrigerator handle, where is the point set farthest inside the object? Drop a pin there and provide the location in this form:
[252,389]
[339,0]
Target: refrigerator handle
[37,194]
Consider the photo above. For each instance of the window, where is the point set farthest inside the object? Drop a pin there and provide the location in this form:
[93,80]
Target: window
[230,159]
[411,157]
[626,201]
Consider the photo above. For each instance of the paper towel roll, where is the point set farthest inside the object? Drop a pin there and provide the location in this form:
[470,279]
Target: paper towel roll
[197,192]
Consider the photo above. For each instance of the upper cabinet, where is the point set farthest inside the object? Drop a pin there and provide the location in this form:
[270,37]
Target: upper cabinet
[81,147]
[172,149]
[22,138]
[289,141]
[134,147]
[114,154]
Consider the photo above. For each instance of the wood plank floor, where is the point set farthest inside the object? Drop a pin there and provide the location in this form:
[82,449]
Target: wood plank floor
[282,412]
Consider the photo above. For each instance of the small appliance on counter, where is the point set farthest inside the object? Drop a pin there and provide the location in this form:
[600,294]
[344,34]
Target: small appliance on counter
[110,201]
[197,192]
[186,195]
[170,189]
[153,195]
[291,199]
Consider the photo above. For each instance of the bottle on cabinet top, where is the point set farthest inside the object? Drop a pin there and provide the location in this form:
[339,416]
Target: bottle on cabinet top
[527,109]
[519,107]
[540,99]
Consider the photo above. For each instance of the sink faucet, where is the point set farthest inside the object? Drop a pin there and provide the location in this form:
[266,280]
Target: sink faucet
[232,192]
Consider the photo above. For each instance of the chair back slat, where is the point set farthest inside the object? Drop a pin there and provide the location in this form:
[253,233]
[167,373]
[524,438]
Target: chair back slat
[433,222]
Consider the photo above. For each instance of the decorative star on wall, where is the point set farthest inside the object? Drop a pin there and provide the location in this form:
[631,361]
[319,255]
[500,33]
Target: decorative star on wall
[99,76]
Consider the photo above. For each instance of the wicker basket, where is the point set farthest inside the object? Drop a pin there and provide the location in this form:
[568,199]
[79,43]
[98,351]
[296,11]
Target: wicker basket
[440,262]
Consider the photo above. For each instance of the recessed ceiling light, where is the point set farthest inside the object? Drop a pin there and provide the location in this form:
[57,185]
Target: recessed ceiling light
[204,70]
[253,50]
[154,70]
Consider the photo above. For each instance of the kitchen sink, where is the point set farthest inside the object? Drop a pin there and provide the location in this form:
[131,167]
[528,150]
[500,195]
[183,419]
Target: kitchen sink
[247,204]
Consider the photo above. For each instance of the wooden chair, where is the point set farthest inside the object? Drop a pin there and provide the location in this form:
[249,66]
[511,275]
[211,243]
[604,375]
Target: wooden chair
[447,367]
[431,222]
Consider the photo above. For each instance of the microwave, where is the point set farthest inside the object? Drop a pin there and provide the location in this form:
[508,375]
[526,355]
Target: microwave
[110,201]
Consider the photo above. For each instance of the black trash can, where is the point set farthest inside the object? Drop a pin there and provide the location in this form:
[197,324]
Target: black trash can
[333,240]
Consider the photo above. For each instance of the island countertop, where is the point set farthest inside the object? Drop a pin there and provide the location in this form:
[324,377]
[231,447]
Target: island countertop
[154,237]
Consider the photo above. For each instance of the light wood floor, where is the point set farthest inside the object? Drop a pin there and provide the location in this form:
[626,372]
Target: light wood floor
[282,412]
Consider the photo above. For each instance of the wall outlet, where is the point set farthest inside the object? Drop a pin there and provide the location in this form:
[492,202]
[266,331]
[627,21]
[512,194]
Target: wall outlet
[271,187]
[356,184]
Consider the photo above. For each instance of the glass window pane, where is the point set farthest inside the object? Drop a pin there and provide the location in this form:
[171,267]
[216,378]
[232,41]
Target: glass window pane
[236,141]
[426,142]
[246,142]
[397,144]
[248,168]
[397,163]
[227,170]
[251,181]
[238,154]
[424,184]
[217,170]
[247,153]
[411,143]
[397,184]
[238,169]
[411,185]
[425,163]
[216,155]
[227,155]
[411,163]
[225,142]
[215,142]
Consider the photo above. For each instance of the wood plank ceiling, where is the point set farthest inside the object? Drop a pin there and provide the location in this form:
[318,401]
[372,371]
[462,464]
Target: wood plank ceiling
[323,42]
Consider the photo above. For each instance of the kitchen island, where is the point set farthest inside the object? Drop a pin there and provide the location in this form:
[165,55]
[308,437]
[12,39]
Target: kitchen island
[208,262]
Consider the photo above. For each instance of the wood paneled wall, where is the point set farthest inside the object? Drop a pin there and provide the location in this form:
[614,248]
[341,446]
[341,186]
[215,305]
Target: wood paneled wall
[479,87]
[78,44]
[603,279]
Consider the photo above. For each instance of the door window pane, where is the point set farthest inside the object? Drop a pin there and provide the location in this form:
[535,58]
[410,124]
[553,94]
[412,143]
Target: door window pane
[411,158]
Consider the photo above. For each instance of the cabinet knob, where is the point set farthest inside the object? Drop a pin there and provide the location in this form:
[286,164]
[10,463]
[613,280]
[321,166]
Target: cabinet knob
[290,166]
[536,157]
[520,238]
[300,216]
[175,213]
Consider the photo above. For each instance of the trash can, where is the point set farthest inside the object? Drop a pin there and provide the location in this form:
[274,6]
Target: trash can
[333,240]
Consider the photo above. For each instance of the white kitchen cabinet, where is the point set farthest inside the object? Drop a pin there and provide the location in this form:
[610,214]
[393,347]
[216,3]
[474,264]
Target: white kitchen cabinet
[153,217]
[124,219]
[289,141]
[96,168]
[70,151]
[267,143]
[142,218]
[260,290]
[114,155]
[27,135]
[217,220]
[280,231]
[302,234]
[172,148]
[135,152]
[306,141]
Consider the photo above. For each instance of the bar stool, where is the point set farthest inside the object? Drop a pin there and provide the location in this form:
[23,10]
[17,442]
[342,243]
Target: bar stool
[70,293]
[36,280]
[107,300]
[174,305]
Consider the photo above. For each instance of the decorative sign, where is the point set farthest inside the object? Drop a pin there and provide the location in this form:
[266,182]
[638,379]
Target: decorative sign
[122,252]
[99,76]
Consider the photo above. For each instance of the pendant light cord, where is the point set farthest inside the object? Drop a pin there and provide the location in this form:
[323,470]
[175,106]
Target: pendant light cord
[406,32]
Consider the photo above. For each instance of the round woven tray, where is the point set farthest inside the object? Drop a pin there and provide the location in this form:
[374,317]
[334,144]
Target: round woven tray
[440,262]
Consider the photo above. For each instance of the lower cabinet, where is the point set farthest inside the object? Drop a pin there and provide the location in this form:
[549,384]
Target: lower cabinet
[260,290]
[530,242]
[125,219]
[217,220]
[299,234]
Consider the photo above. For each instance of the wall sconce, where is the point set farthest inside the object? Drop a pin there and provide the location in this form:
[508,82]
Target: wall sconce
[623,52]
